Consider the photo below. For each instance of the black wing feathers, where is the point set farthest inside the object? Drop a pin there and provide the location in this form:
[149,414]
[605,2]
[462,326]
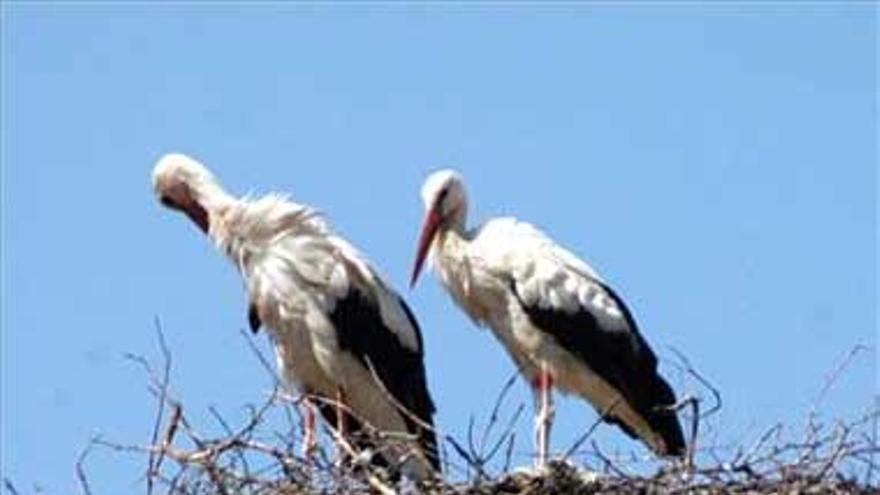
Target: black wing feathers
[362,331]
[658,395]
[254,321]
[619,355]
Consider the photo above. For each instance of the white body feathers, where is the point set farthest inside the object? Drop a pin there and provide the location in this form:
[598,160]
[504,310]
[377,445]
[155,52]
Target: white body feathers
[296,272]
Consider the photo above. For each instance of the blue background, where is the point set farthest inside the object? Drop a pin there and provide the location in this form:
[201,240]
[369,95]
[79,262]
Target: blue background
[716,164]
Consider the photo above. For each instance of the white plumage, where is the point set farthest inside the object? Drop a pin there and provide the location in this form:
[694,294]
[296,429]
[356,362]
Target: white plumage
[339,331]
[561,324]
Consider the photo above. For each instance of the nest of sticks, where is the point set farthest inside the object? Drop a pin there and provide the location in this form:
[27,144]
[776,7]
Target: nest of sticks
[261,456]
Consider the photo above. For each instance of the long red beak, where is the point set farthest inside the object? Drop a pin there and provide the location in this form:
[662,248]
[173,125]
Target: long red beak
[429,230]
[188,205]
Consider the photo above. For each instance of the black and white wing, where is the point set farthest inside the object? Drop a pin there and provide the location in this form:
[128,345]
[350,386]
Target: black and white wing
[362,335]
[375,324]
[564,298]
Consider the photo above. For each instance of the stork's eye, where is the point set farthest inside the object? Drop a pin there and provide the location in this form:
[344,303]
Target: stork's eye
[441,199]
[165,200]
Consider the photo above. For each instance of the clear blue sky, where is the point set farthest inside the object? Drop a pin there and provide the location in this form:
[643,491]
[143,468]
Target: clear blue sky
[715,163]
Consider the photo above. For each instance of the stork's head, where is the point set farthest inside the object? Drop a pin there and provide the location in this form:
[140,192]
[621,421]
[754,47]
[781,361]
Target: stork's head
[445,207]
[184,184]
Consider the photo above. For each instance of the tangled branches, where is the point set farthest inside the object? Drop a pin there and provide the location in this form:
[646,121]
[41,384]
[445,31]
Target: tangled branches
[259,457]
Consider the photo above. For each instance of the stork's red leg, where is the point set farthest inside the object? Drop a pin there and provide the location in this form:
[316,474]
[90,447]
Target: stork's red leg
[542,387]
[340,427]
[310,443]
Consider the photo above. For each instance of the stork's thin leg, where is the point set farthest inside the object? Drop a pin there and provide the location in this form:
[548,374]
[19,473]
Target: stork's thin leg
[310,442]
[544,414]
[340,428]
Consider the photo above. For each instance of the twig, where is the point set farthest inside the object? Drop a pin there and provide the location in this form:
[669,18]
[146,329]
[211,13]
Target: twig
[228,430]
[508,430]
[493,418]
[9,486]
[838,452]
[279,383]
[875,414]
[835,374]
[80,468]
[775,429]
[508,453]
[175,480]
[167,439]
[372,479]
[152,464]
[473,450]
[468,458]
[583,438]
[716,394]
[694,402]
[606,461]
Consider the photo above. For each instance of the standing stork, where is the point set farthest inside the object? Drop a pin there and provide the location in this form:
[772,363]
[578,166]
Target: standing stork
[562,325]
[340,333]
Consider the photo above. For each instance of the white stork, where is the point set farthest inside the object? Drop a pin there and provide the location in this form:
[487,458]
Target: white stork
[561,324]
[340,333]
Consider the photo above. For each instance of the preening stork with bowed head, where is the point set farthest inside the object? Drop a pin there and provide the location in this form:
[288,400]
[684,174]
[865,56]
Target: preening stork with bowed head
[562,325]
[340,333]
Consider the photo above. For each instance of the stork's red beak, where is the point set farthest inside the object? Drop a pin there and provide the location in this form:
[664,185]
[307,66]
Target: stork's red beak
[181,199]
[199,215]
[429,230]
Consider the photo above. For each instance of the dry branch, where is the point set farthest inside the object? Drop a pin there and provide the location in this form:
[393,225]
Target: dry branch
[254,458]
